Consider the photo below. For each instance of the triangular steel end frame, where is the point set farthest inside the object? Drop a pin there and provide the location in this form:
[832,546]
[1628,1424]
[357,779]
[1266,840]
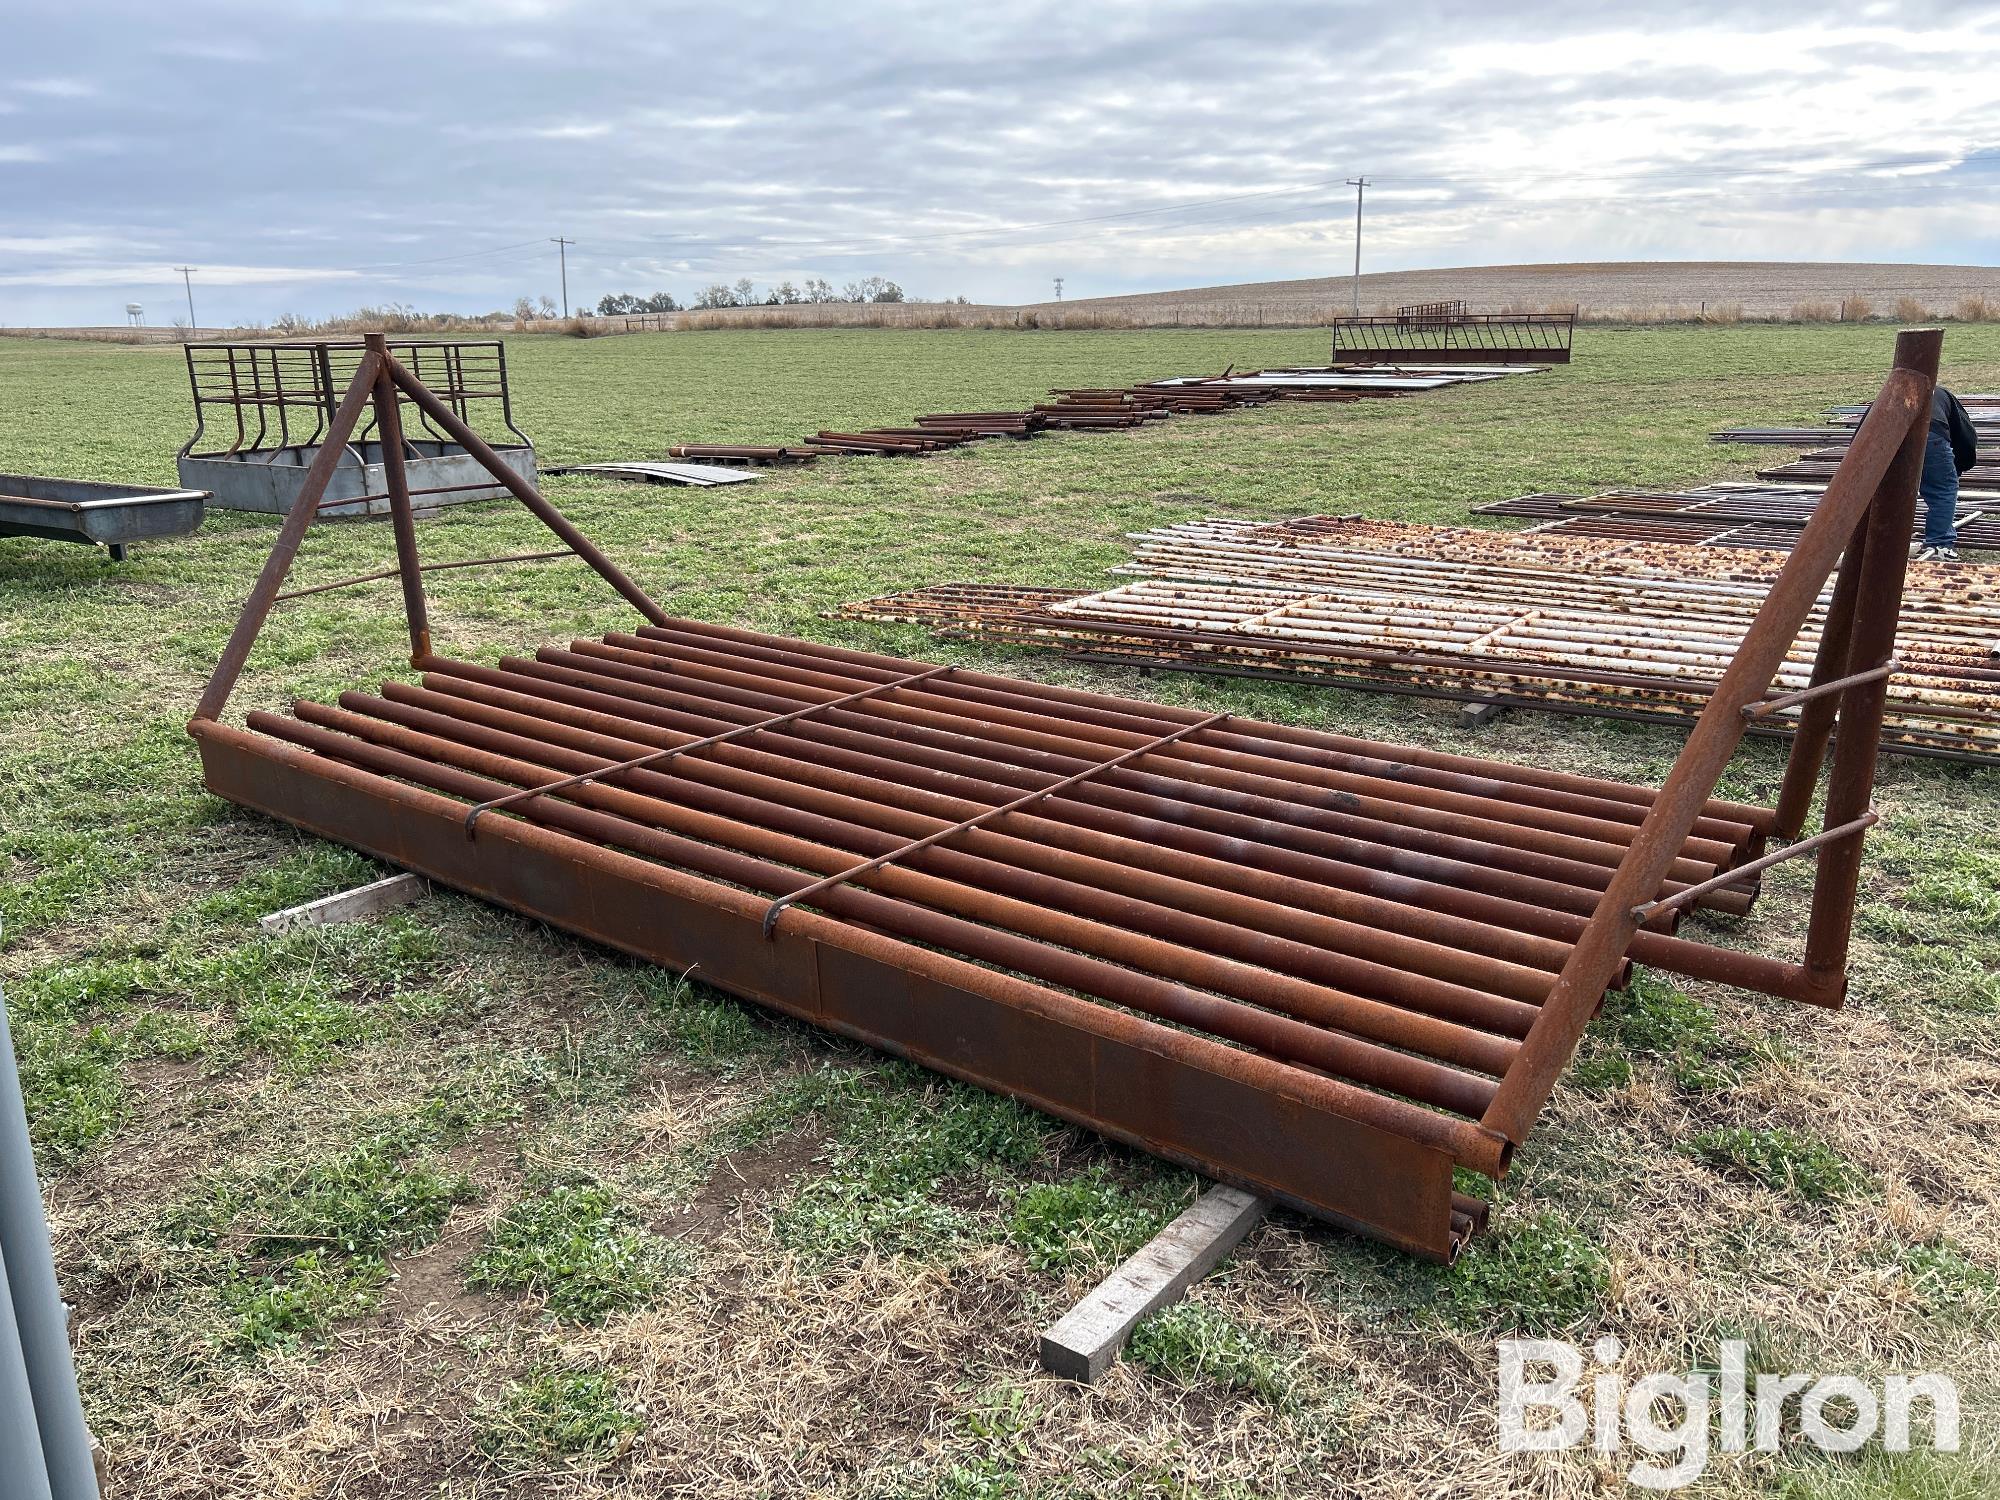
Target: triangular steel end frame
[381,380]
[1862,525]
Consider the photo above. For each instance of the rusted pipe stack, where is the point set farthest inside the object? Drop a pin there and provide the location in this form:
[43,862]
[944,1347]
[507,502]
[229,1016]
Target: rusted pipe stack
[742,453]
[1615,627]
[1104,408]
[1726,514]
[1828,444]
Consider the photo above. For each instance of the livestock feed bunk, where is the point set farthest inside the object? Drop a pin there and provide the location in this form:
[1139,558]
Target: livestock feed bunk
[262,413]
[1319,968]
[1444,333]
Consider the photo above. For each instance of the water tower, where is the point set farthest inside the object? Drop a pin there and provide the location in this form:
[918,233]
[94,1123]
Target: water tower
[135,315]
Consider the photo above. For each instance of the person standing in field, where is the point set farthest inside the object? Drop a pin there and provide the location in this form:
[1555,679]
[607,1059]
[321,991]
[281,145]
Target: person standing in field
[1951,449]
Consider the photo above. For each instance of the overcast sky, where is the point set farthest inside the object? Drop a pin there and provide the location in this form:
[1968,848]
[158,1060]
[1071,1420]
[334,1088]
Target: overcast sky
[312,157]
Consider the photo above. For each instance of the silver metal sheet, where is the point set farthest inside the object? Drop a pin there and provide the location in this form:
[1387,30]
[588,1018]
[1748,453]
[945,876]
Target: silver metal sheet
[1320,380]
[658,472]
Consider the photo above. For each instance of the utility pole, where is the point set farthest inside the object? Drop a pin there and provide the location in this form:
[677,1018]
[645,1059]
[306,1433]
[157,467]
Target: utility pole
[1059,282]
[187,272]
[562,252]
[1360,185]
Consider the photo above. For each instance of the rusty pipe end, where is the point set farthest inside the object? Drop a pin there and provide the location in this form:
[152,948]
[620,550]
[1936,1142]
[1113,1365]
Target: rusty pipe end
[1919,350]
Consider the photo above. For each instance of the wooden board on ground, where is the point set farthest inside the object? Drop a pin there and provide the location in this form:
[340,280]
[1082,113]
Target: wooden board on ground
[348,906]
[1480,711]
[1082,1345]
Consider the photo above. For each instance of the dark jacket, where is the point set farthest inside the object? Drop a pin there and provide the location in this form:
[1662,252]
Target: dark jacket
[1949,420]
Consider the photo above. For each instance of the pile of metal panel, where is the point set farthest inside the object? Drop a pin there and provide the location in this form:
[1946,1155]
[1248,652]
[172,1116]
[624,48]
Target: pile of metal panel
[1820,466]
[1726,514]
[1829,443]
[1842,421]
[1580,625]
[1107,408]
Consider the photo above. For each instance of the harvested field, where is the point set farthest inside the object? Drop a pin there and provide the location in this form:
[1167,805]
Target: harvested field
[449,1204]
[1639,291]
[1719,292]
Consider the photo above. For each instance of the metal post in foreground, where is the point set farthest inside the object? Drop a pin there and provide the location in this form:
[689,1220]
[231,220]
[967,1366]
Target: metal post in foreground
[1871,640]
[45,1440]
[1809,740]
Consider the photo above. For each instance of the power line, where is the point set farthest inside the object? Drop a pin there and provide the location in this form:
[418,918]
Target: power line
[397,265]
[187,281]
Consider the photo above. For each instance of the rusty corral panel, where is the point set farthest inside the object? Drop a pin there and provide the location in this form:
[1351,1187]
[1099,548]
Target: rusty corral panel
[1317,967]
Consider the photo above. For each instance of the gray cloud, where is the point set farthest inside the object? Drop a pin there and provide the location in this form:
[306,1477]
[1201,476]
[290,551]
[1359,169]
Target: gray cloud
[310,158]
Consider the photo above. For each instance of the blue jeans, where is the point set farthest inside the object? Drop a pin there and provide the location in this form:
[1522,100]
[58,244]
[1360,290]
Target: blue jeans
[1939,487]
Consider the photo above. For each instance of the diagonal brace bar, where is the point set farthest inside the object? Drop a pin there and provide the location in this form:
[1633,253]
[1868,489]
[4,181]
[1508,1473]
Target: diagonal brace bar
[778,906]
[1771,706]
[453,427]
[257,608]
[656,757]
[1850,829]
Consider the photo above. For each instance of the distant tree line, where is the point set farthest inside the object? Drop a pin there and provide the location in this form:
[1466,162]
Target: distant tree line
[743,293]
[625,302]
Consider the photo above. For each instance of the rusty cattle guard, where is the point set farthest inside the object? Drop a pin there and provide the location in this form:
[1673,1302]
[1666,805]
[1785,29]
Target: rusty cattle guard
[1316,967]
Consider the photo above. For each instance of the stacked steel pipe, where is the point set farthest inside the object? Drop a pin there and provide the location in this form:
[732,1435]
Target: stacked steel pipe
[1614,627]
[1727,514]
[1820,466]
[1828,444]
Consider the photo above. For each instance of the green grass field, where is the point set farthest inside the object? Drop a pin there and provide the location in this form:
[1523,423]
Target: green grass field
[448,1203]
